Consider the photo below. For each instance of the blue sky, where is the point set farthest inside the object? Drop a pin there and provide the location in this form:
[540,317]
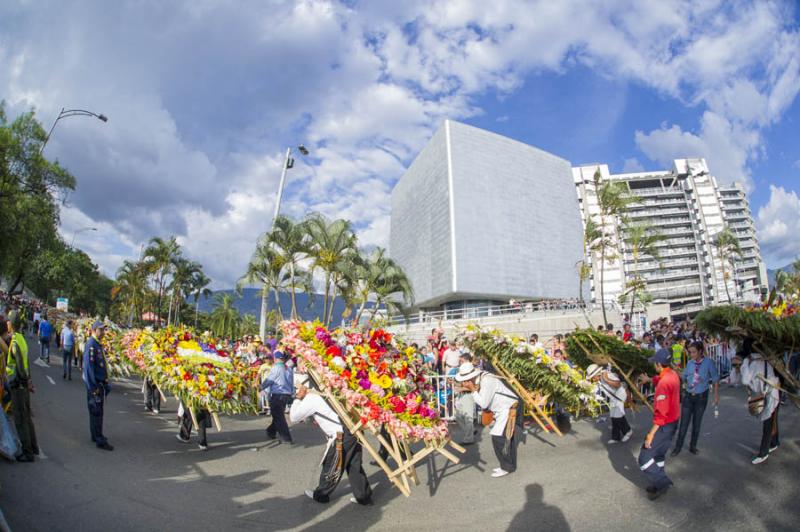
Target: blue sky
[204,96]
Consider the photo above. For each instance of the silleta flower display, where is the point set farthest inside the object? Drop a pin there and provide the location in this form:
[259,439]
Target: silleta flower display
[372,374]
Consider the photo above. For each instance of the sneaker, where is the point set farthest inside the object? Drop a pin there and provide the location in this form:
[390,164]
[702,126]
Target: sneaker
[203,446]
[499,473]
[628,435]
[496,469]
[106,446]
[775,448]
[676,451]
[182,440]
[310,494]
[694,450]
[155,411]
[612,441]
[758,459]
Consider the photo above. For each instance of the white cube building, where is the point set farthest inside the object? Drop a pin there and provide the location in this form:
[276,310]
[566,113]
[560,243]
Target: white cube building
[479,218]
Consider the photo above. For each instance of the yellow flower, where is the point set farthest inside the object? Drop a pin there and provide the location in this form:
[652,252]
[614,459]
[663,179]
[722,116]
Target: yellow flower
[384,381]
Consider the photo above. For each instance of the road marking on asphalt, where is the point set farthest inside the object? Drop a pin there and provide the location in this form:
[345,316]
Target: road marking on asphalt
[41,363]
[51,380]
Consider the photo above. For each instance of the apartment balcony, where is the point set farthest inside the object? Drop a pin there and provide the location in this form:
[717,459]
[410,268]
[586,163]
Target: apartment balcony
[741,225]
[671,292]
[661,202]
[650,192]
[672,274]
[665,254]
[670,242]
[653,213]
[730,216]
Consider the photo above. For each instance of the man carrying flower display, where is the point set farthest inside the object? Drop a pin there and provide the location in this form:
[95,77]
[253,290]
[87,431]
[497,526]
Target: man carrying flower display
[343,452]
[492,395]
[280,384]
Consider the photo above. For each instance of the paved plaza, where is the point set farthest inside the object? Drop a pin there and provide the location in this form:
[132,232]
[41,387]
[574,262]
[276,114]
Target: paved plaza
[576,482]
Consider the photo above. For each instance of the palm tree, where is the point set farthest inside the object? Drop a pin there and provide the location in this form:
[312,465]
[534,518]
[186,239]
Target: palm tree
[641,239]
[224,316]
[727,246]
[379,278]
[199,289]
[160,256]
[291,242]
[266,268]
[181,286]
[131,287]
[613,199]
[248,325]
[330,243]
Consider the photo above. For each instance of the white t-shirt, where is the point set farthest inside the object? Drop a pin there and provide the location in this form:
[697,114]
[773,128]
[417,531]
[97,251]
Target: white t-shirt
[752,367]
[451,357]
[495,396]
[314,405]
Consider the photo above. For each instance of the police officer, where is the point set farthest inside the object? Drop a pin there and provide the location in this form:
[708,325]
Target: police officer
[95,375]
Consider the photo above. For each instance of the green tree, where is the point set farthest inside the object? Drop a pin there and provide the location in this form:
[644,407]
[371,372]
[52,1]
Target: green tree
[378,278]
[266,269]
[727,246]
[613,200]
[291,242]
[160,255]
[641,240]
[200,289]
[331,242]
[248,325]
[225,317]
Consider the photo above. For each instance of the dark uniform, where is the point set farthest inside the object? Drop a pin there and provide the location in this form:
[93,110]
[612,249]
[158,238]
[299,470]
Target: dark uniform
[95,375]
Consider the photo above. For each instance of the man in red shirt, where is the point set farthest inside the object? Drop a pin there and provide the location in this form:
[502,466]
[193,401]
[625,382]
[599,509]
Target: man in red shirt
[667,412]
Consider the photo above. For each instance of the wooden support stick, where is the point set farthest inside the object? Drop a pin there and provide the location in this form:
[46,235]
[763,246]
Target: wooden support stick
[217,424]
[447,454]
[194,418]
[456,446]
[410,456]
[163,397]
[399,459]
[410,463]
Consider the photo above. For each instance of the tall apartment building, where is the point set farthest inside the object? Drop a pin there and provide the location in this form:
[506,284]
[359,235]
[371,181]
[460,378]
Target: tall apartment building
[688,207]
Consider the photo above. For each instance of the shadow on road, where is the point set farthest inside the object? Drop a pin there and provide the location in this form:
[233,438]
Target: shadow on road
[538,515]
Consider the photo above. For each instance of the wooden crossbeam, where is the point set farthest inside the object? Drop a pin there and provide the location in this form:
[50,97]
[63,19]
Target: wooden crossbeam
[535,403]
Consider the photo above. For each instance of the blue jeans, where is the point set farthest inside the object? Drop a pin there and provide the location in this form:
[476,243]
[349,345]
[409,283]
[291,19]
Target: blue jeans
[66,355]
[45,343]
[651,461]
[693,406]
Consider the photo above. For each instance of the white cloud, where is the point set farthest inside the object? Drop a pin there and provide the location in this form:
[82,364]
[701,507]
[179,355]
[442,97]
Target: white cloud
[779,227]
[204,97]
[632,165]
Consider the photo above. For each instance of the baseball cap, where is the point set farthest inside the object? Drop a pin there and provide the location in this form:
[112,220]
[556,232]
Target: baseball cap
[98,325]
[278,355]
[662,356]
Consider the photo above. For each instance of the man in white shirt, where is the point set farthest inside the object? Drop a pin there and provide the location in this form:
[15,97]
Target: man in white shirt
[762,381]
[450,358]
[343,451]
[491,394]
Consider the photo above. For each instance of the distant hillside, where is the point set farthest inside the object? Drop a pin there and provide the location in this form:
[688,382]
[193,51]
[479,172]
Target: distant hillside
[250,303]
[771,274]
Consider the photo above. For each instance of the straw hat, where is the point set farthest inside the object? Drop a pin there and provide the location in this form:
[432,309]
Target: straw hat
[466,372]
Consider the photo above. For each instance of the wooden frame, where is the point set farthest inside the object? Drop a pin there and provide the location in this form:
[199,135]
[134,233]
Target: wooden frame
[397,447]
[534,401]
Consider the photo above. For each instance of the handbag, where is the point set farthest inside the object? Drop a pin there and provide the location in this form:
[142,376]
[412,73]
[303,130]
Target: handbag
[487,416]
[756,403]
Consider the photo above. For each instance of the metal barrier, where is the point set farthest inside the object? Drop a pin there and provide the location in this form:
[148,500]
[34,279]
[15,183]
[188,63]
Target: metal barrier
[722,356]
[445,396]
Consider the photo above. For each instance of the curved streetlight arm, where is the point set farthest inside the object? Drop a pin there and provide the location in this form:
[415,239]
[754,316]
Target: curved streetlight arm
[66,113]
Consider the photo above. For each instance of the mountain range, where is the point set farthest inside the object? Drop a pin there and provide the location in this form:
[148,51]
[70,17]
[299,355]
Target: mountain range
[771,274]
[250,303]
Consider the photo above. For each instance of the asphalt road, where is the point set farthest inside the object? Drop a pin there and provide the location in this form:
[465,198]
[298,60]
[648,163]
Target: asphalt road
[577,482]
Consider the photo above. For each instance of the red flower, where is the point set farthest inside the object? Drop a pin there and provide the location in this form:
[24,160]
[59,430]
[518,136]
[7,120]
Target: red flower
[333,351]
[346,374]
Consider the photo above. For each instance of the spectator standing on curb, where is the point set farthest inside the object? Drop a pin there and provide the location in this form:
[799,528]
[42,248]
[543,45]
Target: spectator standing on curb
[666,406]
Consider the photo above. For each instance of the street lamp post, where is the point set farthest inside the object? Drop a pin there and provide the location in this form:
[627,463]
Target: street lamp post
[66,113]
[81,230]
[288,163]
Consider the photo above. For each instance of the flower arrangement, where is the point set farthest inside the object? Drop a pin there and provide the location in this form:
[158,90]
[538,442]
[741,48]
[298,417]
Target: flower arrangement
[603,347]
[199,371]
[534,368]
[372,374]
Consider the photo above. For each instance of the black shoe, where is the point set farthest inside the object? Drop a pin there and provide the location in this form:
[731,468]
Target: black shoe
[272,436]
[25,458]
[694,450]
[64,377]
[69,378]
[653,495]
[106,446]
[464,443]
[676,451]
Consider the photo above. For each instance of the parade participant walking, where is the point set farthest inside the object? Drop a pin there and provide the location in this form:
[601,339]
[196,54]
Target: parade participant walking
[696,377]
[21,387]
[492,395]
[152,397]
[764,400]
[613,392]
[95,376]
[343,452]
[67,349]
[666,406]
[280,384]
[45,331]
[203,417]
